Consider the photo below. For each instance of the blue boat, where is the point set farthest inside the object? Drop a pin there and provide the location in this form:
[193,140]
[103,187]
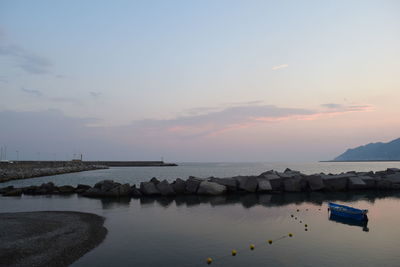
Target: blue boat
[348,212]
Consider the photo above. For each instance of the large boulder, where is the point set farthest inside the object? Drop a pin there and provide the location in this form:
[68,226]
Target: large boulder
[154,180]
[66,189]
[247,183]
[135,192]
[230,183]
[165,188]
[30,190]
[211,188]
[123,190]
[384,184]
[394,178]
[48,187]
[179,186]
[149,189]
[315,182]
[392,170]
[357,183]
[336,182]
[192,185]
[370,182]
[82,188]
[105,185]
[13,193]
[264,185]
[292,184]
[6,189]
[93,192]
[276,181]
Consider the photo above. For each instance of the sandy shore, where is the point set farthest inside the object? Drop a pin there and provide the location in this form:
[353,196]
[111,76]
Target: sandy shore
[48,238]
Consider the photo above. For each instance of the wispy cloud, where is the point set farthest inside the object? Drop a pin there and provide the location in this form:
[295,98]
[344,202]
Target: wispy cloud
[32,92]
[25,60]
[278,67]
[331,105]
[70,100]
[212,121]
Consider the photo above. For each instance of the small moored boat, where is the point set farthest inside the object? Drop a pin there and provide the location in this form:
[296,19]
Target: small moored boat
[348,212]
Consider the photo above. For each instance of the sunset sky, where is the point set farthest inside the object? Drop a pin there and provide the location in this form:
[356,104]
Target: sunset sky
[198,80]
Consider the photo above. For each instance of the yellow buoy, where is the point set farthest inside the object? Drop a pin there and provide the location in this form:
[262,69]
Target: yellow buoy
[234,252]
[290,234]
[270,241]
[209,260]
[252,246]
[306,225]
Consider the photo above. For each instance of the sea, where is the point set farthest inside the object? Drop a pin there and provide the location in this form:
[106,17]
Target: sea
[187,230]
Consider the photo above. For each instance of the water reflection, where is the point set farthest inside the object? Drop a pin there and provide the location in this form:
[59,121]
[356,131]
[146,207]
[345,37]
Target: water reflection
[268,200]
[349,221]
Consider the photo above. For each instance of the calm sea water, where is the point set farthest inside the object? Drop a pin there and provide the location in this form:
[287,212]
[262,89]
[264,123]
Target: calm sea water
[184,231]
[135,175]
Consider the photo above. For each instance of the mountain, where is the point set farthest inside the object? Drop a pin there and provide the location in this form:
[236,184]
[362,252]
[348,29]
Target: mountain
[372,151]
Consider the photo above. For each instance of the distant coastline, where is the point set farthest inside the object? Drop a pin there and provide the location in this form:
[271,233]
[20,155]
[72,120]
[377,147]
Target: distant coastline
[372,160]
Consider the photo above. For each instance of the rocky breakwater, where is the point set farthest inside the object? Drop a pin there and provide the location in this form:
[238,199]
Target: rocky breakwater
[267,182]
[14,173]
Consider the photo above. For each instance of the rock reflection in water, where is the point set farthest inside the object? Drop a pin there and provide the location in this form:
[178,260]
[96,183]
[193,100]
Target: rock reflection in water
[268,200]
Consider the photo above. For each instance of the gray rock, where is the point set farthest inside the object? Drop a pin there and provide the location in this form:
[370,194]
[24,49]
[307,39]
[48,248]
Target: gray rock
[384,184]
[82,188]
[6,189]
[179,186]
[336,182]
[30,190]
[211,188]
[105,185]
[48,187]
[247,183]
[165,188]
[370,182]
[315,182]
[123,190]
[292,185]
[392,170]
[356,183]
[394,178]
[230,183]
[192,184]
[13,193]
[149,189]
[266,173]
[154,180]
[66,189]
[264,185]
[135,192]
[93,192]
[275,181]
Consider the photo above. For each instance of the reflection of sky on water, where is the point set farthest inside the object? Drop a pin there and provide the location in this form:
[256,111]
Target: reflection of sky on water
[186,230]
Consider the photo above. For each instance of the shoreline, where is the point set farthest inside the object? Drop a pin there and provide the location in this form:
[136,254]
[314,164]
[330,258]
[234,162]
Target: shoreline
[48,238]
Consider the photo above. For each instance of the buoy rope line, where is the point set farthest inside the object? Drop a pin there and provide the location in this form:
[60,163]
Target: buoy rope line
[252,246]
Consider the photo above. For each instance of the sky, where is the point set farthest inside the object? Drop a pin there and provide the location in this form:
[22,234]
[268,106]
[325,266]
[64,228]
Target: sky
[203,81]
